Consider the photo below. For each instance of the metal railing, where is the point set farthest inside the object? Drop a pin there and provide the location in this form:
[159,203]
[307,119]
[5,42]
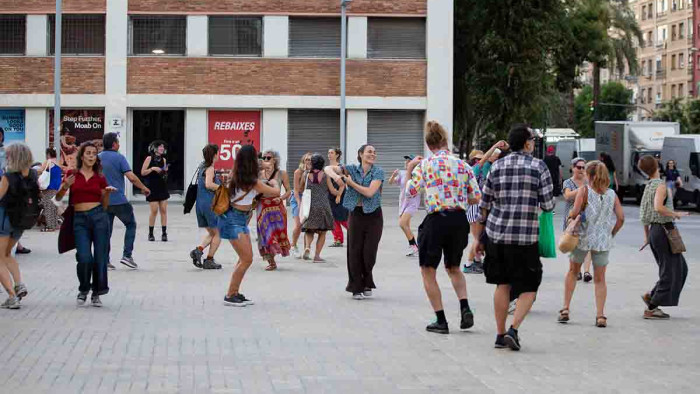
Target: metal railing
[660,74]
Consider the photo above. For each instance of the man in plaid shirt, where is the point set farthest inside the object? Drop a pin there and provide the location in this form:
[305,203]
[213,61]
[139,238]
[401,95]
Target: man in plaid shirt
[517,187]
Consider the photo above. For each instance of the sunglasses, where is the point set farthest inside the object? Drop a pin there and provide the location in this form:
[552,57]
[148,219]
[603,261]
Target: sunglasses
[268,158]
[579,167]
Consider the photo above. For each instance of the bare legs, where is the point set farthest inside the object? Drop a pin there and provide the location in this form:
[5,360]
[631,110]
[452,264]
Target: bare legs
[212,240]
[296,232]
[9,269]
[432,289]
[601,289]
[471,252]
[570,283]
[501,299]
[320,241]
[155,208]
[405,224]
[244,250]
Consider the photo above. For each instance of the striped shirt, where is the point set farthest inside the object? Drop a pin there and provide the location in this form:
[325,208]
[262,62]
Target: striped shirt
[516,187]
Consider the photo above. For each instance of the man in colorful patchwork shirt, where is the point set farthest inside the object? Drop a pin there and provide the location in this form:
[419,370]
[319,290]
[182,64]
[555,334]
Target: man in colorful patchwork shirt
[450,185]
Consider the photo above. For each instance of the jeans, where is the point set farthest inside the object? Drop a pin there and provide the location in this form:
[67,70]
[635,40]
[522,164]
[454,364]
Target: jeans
[125,214]
[92,232]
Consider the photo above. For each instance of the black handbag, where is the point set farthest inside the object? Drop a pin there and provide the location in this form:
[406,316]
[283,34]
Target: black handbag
[191,195]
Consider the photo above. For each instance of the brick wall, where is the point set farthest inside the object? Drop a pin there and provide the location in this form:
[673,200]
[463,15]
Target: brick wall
[303,77]
[34,75]
[49,6]
[409,7]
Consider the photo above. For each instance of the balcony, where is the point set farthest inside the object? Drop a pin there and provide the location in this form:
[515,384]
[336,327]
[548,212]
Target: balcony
[648,44]
[690,39]
[661,15]
[660,74]
[661,44]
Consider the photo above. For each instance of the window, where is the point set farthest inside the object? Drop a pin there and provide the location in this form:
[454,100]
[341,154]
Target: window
[673,33]
[649,94]
[673,62]
[13,34]
[673,91]
[235,36]
[681,92]
[396,38]
[81,34]
[681,60]
[681,30]
[314,37]
[644,12]
[158,35]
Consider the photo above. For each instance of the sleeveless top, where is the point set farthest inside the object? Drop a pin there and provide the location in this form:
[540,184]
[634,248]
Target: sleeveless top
[647,213]
[600,220]
[203,194]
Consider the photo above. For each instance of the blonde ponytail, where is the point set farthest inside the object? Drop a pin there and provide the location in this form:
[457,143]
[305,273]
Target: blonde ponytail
[598,174]
[435,135]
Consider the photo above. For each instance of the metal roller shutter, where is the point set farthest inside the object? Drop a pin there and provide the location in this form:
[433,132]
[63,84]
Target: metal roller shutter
[311,131]
[396,38]
[394,134]
[314,37]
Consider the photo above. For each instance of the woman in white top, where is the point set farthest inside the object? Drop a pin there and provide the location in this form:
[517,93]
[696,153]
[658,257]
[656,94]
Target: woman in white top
[601,215]
[244,186]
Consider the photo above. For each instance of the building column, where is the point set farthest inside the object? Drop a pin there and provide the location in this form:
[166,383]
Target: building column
[274,132]
[197,35]
[357,37]
[275,36]
[357,133]
[36,35]
[439,50]
[116,31]
[196,137]
[35,132]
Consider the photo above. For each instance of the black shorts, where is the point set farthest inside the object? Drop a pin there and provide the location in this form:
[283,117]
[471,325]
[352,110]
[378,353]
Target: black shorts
[443,233]
[516,265]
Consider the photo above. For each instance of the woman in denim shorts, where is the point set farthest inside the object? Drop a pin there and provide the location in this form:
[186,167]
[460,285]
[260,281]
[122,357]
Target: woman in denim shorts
[233,224]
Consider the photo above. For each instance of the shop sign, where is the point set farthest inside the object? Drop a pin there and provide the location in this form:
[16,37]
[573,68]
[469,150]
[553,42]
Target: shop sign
[230,130]
[77,126]
[12,125]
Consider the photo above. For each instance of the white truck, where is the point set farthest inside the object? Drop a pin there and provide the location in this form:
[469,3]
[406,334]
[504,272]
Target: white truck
[626,142]
[685,151]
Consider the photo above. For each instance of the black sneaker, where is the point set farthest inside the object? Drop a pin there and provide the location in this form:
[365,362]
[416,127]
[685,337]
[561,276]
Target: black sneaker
[467,319]
[247,301]
[210,264]
[196,256]
[439,328]
[234,300]
[82,298]
[164,237]
[511,339]
[587,277]
[151,238]
[500,342]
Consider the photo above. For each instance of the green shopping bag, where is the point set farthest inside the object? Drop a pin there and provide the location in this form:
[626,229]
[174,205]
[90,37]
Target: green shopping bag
[547,241]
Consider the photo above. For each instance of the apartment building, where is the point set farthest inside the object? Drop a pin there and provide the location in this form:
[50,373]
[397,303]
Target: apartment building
[667,52]
[230,72]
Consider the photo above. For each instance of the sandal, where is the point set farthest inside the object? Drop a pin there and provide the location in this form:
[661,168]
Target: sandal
[601,321]
[563,316]
[271,267]
[307,253]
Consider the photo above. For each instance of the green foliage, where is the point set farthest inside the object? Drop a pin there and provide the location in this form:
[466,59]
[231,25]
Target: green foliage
[583,116]
[687,113]
[612,93]
[692,114]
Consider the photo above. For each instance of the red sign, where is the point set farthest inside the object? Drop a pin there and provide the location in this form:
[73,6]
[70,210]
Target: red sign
[231,130]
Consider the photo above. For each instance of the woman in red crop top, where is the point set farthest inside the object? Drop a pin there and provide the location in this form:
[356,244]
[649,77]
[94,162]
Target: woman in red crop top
[89,196]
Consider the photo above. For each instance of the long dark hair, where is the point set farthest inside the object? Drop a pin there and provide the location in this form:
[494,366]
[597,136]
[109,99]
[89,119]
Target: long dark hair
[608,161]
[245,169]
[97,167]
[209,153]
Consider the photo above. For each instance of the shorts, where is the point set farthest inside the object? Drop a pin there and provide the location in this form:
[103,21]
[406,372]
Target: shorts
[206,218]
[600,259]
[516,265]
[442,234]
[295,207]
[6,229]
[409,206]
[232,224]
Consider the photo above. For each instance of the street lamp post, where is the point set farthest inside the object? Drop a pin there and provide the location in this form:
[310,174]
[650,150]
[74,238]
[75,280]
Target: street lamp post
[57,80]
[343,55]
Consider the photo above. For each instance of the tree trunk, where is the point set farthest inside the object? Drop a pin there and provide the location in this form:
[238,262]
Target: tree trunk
[596,90]
[570,106]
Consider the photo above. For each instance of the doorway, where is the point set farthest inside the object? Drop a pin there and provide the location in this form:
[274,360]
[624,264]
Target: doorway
[165,125]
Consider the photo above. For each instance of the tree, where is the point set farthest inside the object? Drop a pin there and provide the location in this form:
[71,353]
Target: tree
[583,112]
[692,114]
[612,93]
[673,111]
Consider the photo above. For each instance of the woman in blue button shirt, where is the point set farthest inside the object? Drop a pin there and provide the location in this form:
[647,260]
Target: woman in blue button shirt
[363,199]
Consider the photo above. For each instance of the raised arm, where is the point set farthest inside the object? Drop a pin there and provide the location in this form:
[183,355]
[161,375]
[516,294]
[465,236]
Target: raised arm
[578,202]
[660,206]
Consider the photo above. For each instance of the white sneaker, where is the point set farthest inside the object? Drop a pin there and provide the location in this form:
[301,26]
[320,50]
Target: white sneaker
[295,253]
[412,250]
[367,293]
[358,296]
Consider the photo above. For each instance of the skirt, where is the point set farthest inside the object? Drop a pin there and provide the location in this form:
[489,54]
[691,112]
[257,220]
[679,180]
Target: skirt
[272,228]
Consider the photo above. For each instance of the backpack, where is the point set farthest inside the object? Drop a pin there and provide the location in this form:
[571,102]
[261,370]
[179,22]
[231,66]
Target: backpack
[22,203]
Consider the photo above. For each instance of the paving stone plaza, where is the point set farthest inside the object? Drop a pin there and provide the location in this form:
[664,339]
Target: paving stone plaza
[164,328]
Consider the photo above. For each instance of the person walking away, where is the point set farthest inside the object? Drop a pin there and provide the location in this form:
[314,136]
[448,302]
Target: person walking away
[571,186]
[18,184]
[481,165]
[657,215]
[340,214]
[600,206]
[673,177]
[363,199]
[295,201]
[408,206]
[89,194]
[207,183]
[271,213]
[450,185]
[155,169]
[610,165]
[55,173]
[114,168]
[512,227]
[554,166]
[244,186]
[320,218]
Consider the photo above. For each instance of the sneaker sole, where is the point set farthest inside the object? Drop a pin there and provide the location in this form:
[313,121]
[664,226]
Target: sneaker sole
[236,304]
[499,346]
[656,318]
[437,331]
[130,265]
[511,343]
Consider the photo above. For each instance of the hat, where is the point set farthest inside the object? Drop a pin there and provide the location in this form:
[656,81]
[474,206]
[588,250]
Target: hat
[476,154]
[576,160]
[550,149]
[409,157]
